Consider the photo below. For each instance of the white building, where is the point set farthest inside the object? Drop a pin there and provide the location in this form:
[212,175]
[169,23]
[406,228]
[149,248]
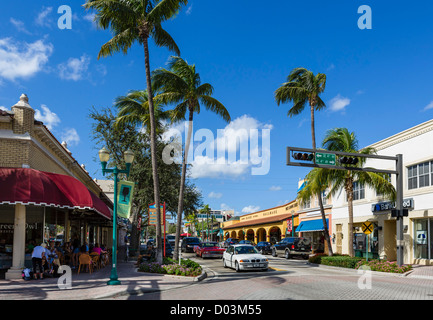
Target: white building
[416,146]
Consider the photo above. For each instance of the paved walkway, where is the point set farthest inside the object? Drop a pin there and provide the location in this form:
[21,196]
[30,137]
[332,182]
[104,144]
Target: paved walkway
[87,286]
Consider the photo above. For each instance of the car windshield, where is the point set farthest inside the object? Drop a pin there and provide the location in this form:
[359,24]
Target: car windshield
[245,250]
[192,240]
[209,244]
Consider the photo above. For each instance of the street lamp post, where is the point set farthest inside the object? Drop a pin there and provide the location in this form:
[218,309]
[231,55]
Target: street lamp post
[104,156]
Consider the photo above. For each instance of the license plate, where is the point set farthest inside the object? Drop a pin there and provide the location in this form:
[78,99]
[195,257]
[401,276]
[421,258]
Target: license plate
[256,265]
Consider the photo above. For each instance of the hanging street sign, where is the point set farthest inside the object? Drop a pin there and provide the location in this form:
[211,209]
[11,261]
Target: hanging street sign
[325,158]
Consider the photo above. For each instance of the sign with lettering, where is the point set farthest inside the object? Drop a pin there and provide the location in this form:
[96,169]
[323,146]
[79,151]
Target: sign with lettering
[380,207]
[325,158]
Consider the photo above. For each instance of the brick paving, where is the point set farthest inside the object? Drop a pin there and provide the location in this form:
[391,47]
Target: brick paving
[305,282]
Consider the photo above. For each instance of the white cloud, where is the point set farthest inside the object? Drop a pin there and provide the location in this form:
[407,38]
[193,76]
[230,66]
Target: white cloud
[49,118]
[22,59]
[331,67]
[250,209]
[4,108]
[74,69]
[241,153]
[189,10]
[428,107]
[43,19]
[339,103]
[19,25]
[275,188]
[71,137]
[204,166]
[215,195]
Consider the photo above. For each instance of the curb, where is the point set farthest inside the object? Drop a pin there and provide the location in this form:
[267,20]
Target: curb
[378,273]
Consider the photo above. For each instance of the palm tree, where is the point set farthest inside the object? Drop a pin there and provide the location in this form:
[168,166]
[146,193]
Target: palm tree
[134,109]
[340,139]
[181,86]
[133,21]
[303,86]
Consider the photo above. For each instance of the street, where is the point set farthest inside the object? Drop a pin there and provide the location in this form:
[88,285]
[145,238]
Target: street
[293,279]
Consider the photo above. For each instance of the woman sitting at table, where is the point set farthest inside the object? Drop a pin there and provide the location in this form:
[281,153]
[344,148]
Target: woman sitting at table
[98,249]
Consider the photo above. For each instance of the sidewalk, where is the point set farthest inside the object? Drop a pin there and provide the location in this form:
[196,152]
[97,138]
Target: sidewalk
[87,286]
[421,272]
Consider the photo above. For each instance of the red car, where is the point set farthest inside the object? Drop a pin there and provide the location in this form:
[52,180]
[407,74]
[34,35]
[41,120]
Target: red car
[209,250]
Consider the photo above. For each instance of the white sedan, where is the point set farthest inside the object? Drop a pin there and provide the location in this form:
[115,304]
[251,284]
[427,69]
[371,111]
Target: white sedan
[244,257]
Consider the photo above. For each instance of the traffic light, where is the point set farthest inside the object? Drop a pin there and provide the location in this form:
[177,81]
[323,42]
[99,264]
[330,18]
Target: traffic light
[348,160]
[303,156]
[396,214]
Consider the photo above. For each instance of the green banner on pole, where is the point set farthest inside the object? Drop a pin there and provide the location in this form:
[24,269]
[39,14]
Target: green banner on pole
[125,193]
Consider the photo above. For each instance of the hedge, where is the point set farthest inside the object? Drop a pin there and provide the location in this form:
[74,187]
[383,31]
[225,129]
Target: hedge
[341,261]
[346,261]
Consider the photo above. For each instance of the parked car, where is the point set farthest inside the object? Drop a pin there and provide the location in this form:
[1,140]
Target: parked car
[168,249]
[244,257]
[209,250]
[264,247]
[292,246]
[230,241]
[171,239]
[188,244]
[247,242]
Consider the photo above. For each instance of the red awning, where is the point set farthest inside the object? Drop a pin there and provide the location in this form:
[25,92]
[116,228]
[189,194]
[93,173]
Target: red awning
[29,186]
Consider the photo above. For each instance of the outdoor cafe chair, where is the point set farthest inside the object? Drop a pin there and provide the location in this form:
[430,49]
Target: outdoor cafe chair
[85,260]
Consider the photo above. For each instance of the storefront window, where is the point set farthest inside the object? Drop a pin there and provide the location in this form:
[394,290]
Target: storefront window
[431,239]
[421,239]
[7,214]
[54,225]
[34,225]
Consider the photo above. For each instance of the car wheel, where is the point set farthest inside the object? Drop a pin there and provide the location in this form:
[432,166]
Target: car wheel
[274,253]
[287,254]
[224,263]
[237,267]
[306,256]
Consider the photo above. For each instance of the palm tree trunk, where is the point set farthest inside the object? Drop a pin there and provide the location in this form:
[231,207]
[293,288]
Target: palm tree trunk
[325,226]
[182,186]
[313,131]
[153,151]
[319,196]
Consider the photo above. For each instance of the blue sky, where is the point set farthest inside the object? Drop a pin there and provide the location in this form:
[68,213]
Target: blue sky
[378,80]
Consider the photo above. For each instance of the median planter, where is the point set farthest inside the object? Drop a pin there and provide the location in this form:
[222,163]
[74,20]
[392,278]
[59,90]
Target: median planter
[186,268]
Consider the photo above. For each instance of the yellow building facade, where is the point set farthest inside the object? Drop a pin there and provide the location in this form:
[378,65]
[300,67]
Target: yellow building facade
[267,225]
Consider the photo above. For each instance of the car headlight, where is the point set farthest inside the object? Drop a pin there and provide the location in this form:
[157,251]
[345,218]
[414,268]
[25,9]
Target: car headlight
[244,260]
[264,260]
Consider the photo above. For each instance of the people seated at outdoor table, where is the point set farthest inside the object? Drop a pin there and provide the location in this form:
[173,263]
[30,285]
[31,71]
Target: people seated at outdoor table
[98,249]
[31,245]
[52,258]
[75,253]
[46,267]
[67,253]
